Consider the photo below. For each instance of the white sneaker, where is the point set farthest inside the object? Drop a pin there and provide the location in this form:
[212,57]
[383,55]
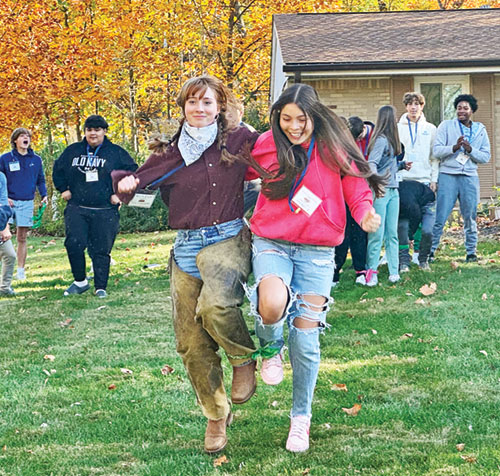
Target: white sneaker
[272,370]
[371,279]
[361,279]
[383,260]
[414,258]
[394,278]
[21,275]
[298,437]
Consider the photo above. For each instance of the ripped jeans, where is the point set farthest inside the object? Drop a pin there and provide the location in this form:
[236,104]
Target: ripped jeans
[305,270]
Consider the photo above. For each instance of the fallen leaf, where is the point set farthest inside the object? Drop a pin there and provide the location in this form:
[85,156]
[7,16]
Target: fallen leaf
[327,425]
[129,270]
[112,387]
[127,249]
[305,472]
[484,297]
[100,308]
[374,331]
[469,458]
[407,335]
[167,370]
[428,289]
[65,323]
[275,403]
[454,265]
[354,410]
[409,294]
[339,387]
[220,461]
[484,353]
[42,298]
[126,371]
[46,372]
[492,261]
[420,301]
[49,357]
[362,300]
[379,299]
[460,446]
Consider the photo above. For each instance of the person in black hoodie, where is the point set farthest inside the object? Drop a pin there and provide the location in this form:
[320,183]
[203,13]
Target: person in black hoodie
[83,176]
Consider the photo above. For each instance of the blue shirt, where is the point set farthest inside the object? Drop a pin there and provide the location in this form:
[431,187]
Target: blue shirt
[24,174]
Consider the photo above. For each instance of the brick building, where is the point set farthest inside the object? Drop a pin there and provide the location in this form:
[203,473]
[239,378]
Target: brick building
[360,61]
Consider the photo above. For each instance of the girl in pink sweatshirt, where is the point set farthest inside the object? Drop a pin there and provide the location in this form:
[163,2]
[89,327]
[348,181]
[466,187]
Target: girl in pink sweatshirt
[298,220]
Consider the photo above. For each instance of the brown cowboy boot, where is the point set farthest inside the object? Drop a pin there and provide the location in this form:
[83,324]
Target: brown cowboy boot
[244,382]
[215,434]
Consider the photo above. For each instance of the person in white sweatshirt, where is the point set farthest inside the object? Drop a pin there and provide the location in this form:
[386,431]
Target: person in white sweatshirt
[417,136]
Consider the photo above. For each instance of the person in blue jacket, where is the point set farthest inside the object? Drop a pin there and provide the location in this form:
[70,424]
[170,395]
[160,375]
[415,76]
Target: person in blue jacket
[24,173]
[460,146]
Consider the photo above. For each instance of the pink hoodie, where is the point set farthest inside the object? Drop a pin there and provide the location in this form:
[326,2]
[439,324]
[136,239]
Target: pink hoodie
[273,219]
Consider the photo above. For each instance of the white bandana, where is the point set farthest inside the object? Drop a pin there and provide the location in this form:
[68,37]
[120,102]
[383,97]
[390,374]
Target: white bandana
[193,141]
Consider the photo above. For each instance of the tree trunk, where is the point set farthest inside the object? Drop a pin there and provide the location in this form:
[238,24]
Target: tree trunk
[133,111]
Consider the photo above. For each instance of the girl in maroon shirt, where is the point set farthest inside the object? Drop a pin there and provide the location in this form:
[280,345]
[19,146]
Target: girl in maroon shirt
[200,174]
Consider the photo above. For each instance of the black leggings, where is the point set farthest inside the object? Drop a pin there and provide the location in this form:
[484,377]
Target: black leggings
[356,239]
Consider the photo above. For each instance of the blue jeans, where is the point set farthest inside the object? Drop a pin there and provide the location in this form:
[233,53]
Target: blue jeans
[305,270]
[188,243]
[466,189]
[388,209]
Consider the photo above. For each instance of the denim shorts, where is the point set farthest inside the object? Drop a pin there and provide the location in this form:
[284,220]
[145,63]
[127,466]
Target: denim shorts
[23,213]
[188,243]
[305,270]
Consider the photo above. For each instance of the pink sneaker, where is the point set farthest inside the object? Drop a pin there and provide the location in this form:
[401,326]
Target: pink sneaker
[272,370]
[298,437]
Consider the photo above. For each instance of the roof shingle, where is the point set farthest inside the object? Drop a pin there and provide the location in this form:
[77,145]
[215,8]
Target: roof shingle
[405,38]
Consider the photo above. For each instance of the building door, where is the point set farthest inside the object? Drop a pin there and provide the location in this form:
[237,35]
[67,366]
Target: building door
[440,92]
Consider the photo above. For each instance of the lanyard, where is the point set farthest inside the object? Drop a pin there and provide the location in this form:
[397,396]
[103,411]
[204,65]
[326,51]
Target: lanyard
[15,159]
[369,131]
[411,134]
[167,175]
[469,139]
[92,154]
[299,180]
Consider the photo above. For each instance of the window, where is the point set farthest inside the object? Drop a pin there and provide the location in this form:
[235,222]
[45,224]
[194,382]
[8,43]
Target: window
[440,92]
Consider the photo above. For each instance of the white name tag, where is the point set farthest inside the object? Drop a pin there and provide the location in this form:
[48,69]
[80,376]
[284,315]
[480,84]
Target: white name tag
[14,166]
[462,158]
[143,198]
[91,176]
[306,201]
[399,177]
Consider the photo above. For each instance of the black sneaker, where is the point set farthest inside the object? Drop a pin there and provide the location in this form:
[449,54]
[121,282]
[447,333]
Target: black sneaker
[472,258]
[74,289]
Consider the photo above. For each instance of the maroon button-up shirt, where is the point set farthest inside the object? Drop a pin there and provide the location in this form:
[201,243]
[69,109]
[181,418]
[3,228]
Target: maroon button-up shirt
[205,193]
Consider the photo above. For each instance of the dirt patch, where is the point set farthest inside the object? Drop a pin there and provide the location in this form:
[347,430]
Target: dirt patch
[489,230]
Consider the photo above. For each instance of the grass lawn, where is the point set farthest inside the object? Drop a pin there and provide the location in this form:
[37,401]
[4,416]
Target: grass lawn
[82,390]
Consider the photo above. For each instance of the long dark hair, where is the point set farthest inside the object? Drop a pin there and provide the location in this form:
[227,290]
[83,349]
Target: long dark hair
[336,146]
[386,126]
